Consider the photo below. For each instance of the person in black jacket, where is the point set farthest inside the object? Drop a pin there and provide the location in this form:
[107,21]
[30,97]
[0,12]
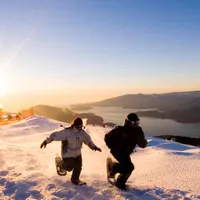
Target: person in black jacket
[121,141]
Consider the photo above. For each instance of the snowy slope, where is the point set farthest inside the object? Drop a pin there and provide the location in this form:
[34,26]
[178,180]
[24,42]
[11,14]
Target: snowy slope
[163,170]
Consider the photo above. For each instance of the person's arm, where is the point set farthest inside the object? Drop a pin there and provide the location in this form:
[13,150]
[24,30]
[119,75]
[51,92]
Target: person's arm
[141,141]
[88,141]
[55,136]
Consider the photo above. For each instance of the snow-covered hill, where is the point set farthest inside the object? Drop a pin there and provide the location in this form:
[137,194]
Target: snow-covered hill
[163,170]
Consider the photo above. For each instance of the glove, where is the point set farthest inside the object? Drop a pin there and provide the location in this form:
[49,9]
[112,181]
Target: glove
[97,149]
[44,144]
[145,143]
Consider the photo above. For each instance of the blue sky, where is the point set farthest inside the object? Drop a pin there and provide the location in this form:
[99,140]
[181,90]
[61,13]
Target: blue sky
[82,50]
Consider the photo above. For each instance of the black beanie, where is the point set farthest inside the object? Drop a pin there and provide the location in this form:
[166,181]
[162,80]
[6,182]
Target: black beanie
[77,121]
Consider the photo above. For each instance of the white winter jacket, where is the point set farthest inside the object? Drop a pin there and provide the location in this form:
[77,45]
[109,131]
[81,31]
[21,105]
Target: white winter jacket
[72,140]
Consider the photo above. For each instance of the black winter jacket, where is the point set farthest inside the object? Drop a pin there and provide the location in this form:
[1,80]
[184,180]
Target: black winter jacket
[123,139]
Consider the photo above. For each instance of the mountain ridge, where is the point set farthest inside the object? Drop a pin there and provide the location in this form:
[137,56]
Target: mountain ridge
[162,101]
[182,107]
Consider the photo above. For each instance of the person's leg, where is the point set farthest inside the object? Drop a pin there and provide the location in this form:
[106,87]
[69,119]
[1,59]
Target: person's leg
[77,169]
[68,164]
[124,167]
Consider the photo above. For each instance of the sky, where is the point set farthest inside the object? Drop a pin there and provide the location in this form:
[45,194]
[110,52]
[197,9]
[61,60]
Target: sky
[63,52]
[36,177]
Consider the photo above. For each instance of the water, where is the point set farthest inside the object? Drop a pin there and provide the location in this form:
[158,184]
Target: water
[151,126]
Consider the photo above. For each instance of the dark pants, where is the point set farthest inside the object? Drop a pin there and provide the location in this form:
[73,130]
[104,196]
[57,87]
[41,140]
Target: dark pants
[74,164]
[124,167]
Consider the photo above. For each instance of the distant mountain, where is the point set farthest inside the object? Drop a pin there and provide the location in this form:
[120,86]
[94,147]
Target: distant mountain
[165,101]
[191,103]
[183,115]
[62,114]
[182,107]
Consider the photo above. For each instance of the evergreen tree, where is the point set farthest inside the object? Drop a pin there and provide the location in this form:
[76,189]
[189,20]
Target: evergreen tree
[9,117]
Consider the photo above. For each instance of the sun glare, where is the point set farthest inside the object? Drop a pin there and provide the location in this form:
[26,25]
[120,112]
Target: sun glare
[2,86]
[2,91]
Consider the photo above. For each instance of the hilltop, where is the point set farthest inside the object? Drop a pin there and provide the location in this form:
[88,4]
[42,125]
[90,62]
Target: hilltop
[164,170]
[62,114]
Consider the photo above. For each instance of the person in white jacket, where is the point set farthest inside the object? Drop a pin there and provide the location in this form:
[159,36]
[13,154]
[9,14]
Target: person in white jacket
[72,139]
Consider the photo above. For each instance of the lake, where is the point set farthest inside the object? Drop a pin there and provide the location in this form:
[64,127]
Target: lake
[151,126]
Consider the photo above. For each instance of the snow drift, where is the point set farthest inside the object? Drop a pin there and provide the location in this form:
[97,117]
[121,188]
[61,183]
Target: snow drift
[163,170]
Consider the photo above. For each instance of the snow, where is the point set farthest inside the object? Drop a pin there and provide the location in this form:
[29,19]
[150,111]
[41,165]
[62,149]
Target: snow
[164,170]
